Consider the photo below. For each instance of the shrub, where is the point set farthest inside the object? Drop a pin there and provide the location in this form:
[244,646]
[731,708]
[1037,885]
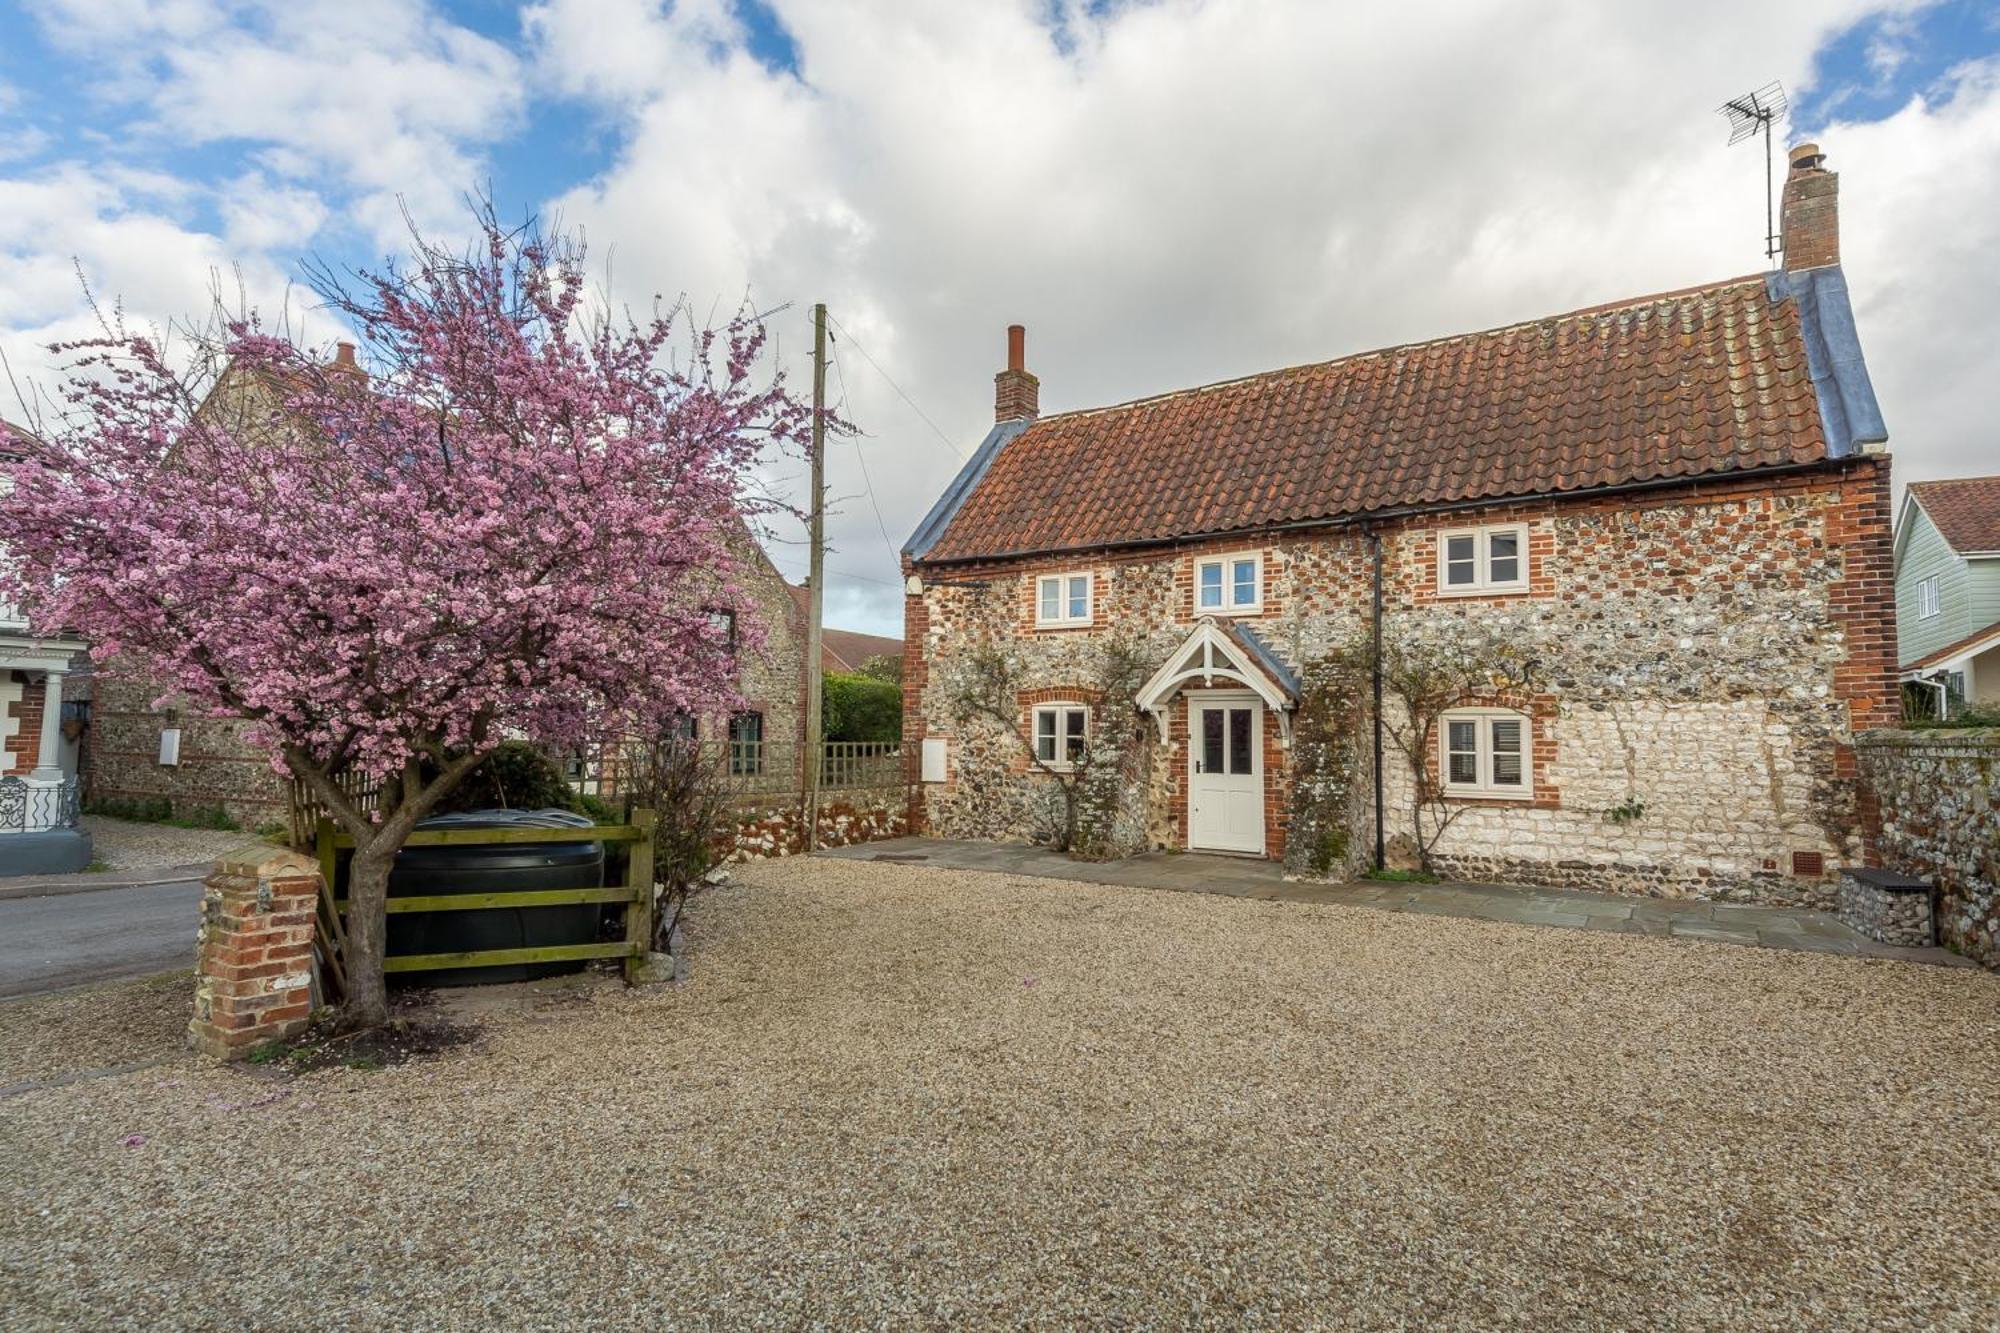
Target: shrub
[861,708]
[516,776]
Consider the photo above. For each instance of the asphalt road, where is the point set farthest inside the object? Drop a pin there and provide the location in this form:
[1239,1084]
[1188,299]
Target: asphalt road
[77,938]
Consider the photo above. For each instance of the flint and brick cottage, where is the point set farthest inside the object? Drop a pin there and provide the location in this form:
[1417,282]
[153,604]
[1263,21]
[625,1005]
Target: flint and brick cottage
[1672,510]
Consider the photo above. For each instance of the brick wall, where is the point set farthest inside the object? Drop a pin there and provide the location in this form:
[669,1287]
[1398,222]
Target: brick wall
[1706,651]
[20,724]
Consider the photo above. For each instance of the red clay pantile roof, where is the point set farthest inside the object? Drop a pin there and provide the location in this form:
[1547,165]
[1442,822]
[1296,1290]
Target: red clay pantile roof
[1966,511]
[845,650]
[1684,384]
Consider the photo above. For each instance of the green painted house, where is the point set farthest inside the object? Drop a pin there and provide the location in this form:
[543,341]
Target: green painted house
[1948,591]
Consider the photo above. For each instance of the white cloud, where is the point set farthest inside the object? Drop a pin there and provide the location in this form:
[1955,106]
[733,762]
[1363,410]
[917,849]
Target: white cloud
[1185,191]
[120,232]
[387,98]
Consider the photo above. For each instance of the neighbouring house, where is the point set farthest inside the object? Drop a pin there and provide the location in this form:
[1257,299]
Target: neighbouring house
[1948,594]
[141,754]
[1652,537]
[44,708]
[844,650]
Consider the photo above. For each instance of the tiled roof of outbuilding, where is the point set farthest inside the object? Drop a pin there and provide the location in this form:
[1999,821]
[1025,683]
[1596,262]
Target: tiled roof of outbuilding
[1686,384]
[1966,511]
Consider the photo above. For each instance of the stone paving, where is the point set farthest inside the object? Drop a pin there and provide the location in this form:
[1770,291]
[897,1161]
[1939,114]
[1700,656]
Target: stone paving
[1240,877]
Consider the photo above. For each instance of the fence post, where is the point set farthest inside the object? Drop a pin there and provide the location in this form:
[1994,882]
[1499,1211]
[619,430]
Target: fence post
[639,877]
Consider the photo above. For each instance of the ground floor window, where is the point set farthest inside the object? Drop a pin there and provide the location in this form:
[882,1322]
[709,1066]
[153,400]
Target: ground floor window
[1484,752]
[746,744]
[1059,734]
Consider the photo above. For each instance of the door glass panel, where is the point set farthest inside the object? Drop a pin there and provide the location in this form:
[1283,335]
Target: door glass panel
[1506,752]
[1211,585]
[1503,551]
[1211,740]
[1239,740]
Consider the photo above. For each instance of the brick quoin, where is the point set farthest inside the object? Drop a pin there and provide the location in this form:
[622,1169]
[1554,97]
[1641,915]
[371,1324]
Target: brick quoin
[24,745]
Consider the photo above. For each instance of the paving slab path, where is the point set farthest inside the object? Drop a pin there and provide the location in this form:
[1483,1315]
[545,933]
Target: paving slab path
[1242,877]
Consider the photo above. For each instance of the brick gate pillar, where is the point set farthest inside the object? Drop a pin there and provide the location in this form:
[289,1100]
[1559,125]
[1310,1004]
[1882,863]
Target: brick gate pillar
[254,956]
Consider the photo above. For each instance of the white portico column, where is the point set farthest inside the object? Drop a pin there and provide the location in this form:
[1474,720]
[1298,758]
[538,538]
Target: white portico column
[48,763]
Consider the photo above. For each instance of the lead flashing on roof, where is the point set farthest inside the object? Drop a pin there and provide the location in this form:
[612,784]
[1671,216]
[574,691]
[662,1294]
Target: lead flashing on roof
[1850,417]
[969,476]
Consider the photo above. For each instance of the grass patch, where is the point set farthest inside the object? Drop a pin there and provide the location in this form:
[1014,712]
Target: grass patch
[1403,876]
[160,810]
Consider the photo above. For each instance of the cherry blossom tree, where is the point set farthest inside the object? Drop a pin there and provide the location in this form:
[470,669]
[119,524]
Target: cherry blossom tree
[510,522]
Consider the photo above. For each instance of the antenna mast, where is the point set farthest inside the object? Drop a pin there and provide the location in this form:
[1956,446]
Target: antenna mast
[1749,114]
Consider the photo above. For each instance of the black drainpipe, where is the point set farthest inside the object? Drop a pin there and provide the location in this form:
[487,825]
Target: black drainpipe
[1375,674]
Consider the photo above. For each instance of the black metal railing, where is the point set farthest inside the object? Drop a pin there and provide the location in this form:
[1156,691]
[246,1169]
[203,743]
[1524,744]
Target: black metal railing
[34,807]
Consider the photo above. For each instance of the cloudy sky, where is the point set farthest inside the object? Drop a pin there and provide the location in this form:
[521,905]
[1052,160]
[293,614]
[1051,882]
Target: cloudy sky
[1165,193]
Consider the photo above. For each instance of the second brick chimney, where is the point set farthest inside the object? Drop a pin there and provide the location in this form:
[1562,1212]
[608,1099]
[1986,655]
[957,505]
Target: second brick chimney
[1017,395]
[1809,220]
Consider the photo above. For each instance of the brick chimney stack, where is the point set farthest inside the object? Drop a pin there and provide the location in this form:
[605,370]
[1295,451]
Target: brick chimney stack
[1810,212]
[1017,395]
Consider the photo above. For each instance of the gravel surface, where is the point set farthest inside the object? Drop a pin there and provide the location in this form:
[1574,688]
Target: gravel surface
[902,1096]
[126,844]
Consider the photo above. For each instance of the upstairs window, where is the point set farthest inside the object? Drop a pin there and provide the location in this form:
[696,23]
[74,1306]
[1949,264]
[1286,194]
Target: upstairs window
[1060,731]
[1062,599]
[1484,752]
[722,624]
[1489,559]
[1229,585]
[1927,598]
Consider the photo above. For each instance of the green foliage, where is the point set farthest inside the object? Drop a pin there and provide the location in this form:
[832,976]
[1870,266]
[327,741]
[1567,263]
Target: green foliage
[1968,715]
[1329,765]
[516,776]
[689,795]
[1628,811]
[861,708]
[162,810]
[269,1053]
[599,811]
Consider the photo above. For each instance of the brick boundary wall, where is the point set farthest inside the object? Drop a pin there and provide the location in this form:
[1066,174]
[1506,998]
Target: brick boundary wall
[254,952]
[1937,797]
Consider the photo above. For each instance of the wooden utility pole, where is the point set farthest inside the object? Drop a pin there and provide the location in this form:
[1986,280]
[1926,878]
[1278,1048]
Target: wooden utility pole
[816,584]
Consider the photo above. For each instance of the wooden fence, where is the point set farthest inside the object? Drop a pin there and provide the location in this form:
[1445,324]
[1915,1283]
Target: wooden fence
[636,893]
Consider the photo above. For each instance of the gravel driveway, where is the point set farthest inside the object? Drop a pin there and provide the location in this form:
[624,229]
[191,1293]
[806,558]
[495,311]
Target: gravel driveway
[894,1095]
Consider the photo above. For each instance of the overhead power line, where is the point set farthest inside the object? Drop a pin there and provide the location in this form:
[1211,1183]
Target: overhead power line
[950,443]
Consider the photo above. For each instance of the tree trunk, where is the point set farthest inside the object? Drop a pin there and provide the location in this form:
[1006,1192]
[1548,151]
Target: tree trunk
[367,932]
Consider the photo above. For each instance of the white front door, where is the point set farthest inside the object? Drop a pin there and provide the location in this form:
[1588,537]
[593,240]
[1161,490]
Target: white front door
[1226,773]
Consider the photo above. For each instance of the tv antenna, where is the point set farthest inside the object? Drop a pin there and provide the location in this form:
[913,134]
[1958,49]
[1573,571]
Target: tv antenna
[1749,114]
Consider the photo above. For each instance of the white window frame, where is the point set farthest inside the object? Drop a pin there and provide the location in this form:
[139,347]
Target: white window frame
[1485,788]
[1063,619]
[1483,581]
[1060,711]
[1927,598]
[1227,564]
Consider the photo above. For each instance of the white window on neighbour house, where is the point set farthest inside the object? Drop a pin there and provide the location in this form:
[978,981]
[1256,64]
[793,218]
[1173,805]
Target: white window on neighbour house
[1062,599]
[1060,734]
[1486,752]
[1229,585]
[1489,559]
[1927,597]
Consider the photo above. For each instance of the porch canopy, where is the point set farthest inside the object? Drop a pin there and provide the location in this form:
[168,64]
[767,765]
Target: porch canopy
[1229,654]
